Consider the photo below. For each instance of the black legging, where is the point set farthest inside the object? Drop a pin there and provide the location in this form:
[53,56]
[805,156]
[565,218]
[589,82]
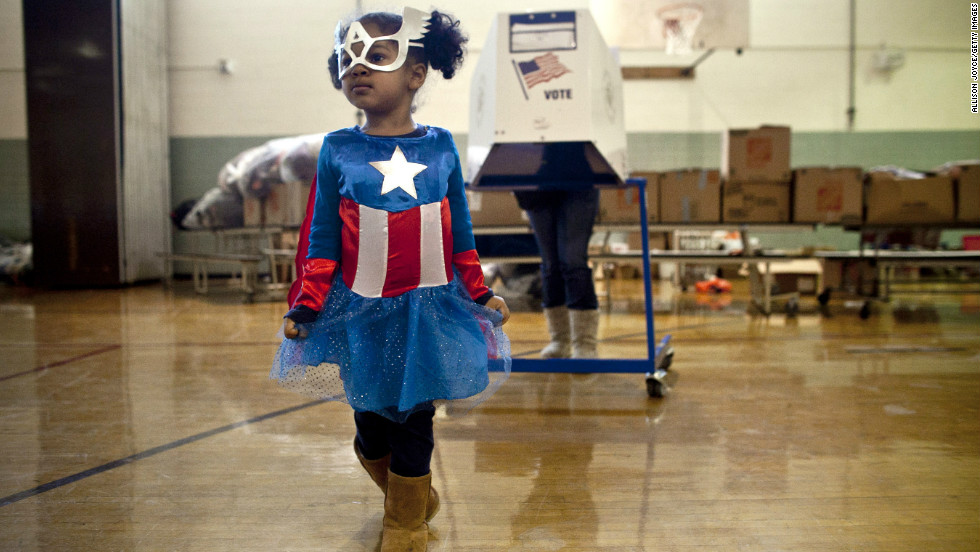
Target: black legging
[410,443]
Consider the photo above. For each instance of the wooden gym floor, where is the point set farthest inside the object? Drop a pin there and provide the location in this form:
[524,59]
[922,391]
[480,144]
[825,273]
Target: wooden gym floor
[142,419]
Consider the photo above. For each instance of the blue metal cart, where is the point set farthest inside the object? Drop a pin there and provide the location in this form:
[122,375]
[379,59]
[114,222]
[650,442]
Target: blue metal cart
[659,355]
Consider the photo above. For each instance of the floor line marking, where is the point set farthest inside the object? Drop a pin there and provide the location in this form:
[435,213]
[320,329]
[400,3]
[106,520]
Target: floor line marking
[61,362]
[17,497]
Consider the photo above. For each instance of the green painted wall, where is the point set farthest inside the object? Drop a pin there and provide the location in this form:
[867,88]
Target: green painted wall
[195,162]
[194,165]
[914,150]
[15,192]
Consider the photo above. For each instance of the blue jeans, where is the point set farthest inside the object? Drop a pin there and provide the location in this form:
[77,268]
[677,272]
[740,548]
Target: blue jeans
[562,229]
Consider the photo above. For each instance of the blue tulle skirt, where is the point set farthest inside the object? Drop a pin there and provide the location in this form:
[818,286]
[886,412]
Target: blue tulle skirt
[394,355]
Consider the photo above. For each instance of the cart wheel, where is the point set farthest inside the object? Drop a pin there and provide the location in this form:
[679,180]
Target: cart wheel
[655,389]
[865,310]
[824,297]
[667,360]
[792,307]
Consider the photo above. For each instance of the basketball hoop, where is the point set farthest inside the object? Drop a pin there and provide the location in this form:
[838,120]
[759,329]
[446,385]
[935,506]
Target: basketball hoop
[680,22]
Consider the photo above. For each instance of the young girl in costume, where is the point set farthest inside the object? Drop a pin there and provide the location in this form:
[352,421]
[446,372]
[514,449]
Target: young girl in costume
[390,311]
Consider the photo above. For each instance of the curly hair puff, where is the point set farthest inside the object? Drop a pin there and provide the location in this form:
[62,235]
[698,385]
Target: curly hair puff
[443,43]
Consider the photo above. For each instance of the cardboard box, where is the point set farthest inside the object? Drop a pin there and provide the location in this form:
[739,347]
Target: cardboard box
[828,195]
[889,200]
[495,208]
[966,179]
[968,193]
[756,154]
[833,274]
[797,276]
[756,201]
[622,205]
[632,242]
[619,206]
[284,206]
[860,278]
[657,241]
[692,195]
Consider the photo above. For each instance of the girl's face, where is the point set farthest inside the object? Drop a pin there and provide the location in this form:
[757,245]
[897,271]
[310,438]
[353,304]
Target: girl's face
[379,91]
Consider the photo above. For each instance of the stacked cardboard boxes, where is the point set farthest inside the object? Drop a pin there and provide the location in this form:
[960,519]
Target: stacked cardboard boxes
[756,170]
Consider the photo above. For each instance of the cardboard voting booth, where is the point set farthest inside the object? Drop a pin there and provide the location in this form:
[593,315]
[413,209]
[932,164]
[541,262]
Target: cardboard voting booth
[546,105]
[546,112]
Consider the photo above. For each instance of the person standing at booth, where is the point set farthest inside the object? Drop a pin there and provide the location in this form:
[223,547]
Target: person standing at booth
[562,221]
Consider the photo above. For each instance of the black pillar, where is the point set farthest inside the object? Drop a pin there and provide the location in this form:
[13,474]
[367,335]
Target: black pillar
[71,51]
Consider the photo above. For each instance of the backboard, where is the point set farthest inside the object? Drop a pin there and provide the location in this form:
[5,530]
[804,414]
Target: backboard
[673,26]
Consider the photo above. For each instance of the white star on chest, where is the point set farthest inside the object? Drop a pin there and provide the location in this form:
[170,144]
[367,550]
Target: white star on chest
[399,173]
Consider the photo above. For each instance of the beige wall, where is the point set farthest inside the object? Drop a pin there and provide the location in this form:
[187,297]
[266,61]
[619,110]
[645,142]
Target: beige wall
[13,106]
[794,70]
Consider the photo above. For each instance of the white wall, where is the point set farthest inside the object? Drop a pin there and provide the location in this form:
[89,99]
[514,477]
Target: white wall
[794,70]
[280,83]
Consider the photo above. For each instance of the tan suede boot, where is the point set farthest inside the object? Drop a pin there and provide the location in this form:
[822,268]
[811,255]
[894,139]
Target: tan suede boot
[405,529]
[560,331]
[378,470]
[585,326]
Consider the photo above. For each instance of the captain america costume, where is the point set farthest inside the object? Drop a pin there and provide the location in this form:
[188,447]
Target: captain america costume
[391,285]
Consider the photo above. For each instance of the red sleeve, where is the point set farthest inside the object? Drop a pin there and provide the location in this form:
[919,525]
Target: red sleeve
[315,283]
[302,247]
[467,263]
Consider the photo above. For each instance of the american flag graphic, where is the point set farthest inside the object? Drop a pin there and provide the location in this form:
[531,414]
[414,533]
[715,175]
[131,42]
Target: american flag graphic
[542,69]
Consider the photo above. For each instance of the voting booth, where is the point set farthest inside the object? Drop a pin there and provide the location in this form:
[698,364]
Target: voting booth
[546,105]
[546,112]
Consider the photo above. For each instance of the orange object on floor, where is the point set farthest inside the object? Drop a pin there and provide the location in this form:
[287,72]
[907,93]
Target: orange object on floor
[714,285]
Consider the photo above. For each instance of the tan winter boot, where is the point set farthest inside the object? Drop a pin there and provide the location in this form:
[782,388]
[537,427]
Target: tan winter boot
[378,470]
[405,529]
[560,331]
[585,326]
